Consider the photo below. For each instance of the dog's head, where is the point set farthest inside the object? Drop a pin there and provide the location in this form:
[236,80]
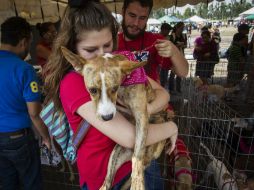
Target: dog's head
[103,76]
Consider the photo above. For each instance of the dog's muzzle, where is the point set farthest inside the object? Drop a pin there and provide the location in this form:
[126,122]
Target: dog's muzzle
[107,117]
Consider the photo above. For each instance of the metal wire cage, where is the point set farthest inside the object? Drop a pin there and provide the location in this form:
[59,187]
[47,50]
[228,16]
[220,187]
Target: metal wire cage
[224,125]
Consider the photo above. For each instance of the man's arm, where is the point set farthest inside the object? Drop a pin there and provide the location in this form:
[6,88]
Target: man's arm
[34,109]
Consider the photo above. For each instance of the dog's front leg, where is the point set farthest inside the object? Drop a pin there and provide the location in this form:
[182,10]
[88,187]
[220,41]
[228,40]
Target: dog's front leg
[135,98]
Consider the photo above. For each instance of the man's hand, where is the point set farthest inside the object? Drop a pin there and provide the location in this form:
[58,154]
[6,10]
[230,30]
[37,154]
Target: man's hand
[165,48]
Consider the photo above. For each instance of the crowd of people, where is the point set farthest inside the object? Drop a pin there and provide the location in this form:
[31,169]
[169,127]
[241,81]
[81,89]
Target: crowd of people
[89,30]
[206,52]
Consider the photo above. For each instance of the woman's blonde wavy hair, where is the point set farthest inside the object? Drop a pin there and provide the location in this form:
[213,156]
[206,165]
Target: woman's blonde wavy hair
[88,17]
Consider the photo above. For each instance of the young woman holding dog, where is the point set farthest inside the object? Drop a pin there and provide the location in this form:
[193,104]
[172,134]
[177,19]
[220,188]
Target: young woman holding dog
[89,30]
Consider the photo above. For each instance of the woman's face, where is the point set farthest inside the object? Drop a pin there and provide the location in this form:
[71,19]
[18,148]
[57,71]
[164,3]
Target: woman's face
[51,34]
[94,43]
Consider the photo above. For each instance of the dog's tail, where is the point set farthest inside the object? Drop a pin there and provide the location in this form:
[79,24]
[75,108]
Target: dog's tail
[208,151]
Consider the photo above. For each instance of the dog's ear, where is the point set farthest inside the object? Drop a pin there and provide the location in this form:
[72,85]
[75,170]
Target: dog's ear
[77,61]
[128,66]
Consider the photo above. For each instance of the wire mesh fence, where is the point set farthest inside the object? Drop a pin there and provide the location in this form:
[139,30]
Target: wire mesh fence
[224,125]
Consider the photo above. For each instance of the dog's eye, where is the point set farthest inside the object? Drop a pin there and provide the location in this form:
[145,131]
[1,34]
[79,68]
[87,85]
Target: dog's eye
[93,91]
[114,89]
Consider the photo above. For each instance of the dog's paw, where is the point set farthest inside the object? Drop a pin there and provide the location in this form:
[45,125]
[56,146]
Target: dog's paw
[137,184]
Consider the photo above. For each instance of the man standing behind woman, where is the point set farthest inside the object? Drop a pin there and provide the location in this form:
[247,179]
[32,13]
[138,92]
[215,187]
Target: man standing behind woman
[89,29]
[156,50]
[180,40]
[146,45]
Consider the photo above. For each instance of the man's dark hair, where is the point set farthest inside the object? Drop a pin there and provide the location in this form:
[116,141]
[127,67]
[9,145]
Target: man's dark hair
[166,26]
[204,28]
[206,32]
[242,27]
[238,37]
[143,3]
[15,29]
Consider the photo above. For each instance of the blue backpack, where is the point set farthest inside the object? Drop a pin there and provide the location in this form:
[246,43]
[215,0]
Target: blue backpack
[60,129]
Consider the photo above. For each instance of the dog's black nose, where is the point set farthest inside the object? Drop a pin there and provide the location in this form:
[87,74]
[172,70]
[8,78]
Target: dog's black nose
[107,117]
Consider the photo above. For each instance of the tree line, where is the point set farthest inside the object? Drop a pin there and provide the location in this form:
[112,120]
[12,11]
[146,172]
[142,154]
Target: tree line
[215,10]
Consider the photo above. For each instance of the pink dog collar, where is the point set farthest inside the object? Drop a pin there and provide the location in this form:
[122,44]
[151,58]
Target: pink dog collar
[138,76]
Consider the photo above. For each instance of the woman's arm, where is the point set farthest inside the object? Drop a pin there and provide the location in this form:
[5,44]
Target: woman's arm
[161,100]
[167,49]
[122,131]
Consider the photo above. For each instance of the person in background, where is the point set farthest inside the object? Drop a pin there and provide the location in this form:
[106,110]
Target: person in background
[199,40]
[216,36]
[48,32]
[206,54]
[89,30]
[189,29]
[236,59]
[148,46]
[180,41]
[165,30]
[19,108]
[244,29]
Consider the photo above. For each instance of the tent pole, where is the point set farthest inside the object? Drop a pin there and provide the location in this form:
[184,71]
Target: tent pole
[41,11]
[16,12]
[58,9]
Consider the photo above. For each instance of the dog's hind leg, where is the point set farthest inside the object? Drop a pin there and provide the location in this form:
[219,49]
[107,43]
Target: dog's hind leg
[118,156]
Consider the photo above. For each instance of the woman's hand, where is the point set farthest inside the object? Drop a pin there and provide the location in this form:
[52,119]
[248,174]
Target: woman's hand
[173,139]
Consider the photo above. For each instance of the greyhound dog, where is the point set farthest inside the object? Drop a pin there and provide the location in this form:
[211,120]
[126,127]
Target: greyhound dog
[223,179]
[213,91]
[103,77]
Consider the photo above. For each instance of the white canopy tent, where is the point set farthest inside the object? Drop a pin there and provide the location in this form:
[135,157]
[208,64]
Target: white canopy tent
[248,12]
[153,24]
[196,19]
[237,19]
[118,17]
[153,21]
